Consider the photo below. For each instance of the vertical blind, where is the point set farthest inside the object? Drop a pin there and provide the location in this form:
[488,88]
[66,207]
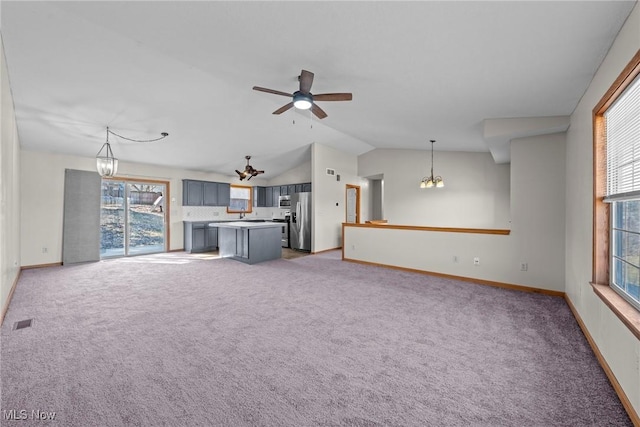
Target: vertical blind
[622,121]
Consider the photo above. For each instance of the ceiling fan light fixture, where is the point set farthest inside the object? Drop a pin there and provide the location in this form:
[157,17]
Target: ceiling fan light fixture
[249,171]
[302,101]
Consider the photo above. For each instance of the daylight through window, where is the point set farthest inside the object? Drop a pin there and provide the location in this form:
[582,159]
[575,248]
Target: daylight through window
[622,130]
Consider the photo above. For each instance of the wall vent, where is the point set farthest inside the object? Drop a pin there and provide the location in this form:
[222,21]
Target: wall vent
[331,171]
[23,324]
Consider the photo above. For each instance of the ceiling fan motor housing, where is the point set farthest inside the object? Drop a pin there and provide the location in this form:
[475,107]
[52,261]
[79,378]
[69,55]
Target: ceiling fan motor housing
[302,101]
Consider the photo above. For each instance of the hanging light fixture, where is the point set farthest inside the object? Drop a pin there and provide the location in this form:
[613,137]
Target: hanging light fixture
[431,181]
[107,164]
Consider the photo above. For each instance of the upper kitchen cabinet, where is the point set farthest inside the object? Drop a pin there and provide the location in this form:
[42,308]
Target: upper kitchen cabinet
[205,193]
[210,197]
[192,193]
[224,194]
[259,197]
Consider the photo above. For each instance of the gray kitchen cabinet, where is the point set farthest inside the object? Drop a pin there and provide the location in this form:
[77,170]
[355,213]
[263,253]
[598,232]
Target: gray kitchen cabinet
[192,192]
[299,188]
[210,196]
[291,189]
[211,241]
[260,197]
[205,193]
[276,193]
[200,237]
[224,194]
[268,197]
[306,187]
[284,190]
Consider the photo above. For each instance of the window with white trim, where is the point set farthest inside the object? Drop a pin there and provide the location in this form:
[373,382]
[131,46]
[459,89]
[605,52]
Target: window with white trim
[622,130]
[241,200]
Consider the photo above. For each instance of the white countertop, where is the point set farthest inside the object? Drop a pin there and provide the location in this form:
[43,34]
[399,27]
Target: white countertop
[247,224]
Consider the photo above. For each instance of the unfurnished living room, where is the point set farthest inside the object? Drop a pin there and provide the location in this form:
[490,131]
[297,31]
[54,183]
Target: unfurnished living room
[306,213]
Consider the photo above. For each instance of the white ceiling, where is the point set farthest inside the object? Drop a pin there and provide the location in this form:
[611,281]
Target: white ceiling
[417,71]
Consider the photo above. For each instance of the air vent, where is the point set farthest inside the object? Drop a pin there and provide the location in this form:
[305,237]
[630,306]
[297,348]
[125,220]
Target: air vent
[331,171]
[23,324]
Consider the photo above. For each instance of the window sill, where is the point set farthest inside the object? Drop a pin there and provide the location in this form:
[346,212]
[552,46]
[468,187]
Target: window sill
[625,311]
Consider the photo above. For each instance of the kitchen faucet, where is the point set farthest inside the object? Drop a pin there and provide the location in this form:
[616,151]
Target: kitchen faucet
[242,215]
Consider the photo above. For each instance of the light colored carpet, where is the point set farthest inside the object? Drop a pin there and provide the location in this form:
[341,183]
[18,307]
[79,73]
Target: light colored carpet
[173,340]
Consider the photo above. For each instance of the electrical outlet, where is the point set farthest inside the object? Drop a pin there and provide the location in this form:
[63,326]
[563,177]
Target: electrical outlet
[455,259]
[476,261]
[45,250]
[524,266]
[188,213]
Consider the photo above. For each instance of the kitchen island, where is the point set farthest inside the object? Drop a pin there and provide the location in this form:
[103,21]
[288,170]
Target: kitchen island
[249,242]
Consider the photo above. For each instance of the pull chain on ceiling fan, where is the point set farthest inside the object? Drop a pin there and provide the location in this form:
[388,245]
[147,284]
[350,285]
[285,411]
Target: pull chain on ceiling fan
[303,99]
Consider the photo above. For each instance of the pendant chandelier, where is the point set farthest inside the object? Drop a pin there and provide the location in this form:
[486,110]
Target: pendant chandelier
[431,181]
[106,163]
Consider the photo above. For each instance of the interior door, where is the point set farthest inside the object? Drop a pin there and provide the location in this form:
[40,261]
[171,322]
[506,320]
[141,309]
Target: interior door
[353,196]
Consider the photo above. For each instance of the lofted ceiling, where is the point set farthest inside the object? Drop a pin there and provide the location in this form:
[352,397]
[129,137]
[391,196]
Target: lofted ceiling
[417,71]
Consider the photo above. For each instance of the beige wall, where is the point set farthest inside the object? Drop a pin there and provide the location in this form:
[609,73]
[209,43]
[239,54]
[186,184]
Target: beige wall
[537,228]
[476,192]
[9,187]
[329,194]
[620,348]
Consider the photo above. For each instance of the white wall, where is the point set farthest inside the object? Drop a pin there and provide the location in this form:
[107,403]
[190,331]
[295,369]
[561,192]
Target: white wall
[9,187]
[296,175]
[537,229]
[619,347]
[329,195]
[476,192]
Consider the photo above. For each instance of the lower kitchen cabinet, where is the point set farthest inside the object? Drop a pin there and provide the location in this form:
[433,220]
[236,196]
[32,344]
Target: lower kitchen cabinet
[200,237]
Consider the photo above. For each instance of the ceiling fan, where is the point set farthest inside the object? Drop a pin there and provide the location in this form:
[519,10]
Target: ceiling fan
[303,99]
[248,171]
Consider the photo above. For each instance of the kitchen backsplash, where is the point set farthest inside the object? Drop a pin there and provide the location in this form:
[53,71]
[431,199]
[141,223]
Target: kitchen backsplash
[213,213]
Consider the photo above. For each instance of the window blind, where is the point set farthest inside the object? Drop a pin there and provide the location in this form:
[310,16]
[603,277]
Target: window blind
[240,192]
[622,123]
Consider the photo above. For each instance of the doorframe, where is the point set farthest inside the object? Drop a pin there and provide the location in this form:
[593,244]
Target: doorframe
[167,202]
[357,188]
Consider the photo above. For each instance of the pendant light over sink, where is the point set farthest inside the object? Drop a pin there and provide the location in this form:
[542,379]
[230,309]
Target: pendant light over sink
[431,181]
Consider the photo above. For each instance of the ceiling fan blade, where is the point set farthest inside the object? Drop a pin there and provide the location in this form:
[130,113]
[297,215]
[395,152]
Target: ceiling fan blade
[318,111]
[258,172]
[306,79]
[283,108]
[333,97]
[275,92]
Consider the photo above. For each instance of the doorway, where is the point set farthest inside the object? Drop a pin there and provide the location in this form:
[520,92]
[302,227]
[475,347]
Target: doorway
[353,204]
[133,217]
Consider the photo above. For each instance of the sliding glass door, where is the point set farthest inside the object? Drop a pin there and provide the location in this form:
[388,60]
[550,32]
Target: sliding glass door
[132,220]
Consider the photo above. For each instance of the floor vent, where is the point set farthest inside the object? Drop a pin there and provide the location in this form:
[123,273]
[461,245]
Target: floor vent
[23,324]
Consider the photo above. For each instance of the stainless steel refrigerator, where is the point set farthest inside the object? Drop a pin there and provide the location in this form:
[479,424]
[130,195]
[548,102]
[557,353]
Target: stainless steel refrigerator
[300,227]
